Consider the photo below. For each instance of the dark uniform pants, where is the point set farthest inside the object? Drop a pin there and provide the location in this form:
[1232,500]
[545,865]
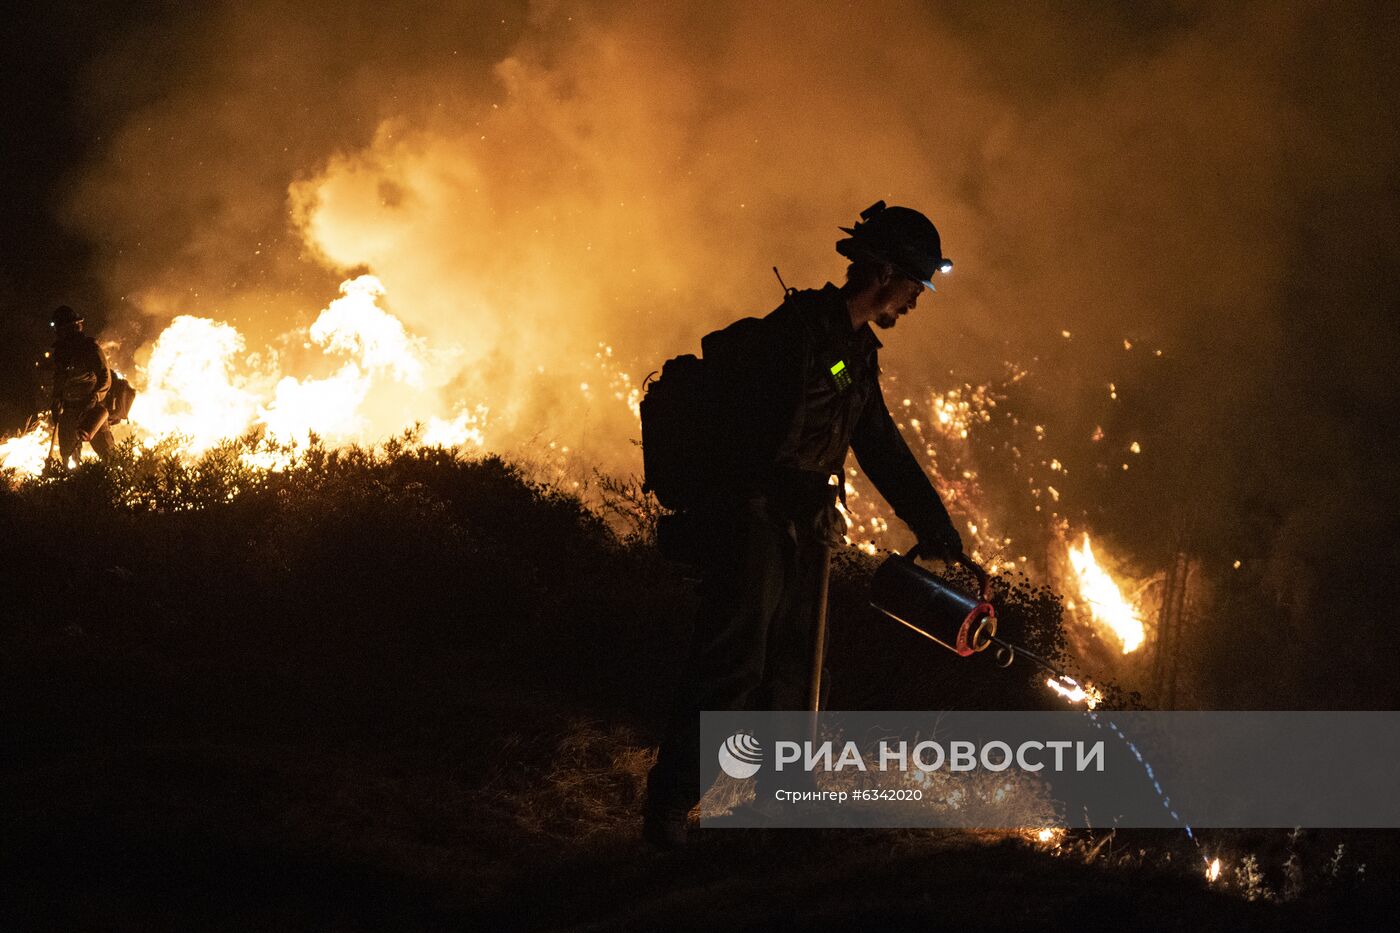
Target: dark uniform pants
[752,645]
[70,444]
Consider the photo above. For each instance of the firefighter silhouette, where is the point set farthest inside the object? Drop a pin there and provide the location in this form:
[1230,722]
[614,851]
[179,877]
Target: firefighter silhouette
[801,388]
[81,381]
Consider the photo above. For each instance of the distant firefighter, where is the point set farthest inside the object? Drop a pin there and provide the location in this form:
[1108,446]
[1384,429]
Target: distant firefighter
[748,446]
[81,381]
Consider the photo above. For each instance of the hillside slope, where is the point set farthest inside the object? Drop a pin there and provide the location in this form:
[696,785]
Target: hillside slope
[412,691]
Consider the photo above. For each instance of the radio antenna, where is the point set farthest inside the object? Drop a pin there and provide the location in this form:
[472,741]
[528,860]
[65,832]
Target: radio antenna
[786,291]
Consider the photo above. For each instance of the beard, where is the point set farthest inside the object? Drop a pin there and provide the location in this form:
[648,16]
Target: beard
[892,299]
[893,292]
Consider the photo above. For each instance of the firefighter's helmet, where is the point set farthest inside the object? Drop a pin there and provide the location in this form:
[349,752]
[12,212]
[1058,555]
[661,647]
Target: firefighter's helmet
[900,236]
[65,315]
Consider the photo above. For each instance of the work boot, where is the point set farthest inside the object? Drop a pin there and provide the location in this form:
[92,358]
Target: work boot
[666,828]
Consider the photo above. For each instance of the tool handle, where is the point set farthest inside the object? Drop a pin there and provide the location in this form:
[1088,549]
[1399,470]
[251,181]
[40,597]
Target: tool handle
[984,579]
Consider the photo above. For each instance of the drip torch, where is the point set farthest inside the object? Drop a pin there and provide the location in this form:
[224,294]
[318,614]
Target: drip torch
[943,613]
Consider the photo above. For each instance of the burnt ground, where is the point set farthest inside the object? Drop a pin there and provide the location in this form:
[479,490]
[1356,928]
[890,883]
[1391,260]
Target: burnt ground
[410,692]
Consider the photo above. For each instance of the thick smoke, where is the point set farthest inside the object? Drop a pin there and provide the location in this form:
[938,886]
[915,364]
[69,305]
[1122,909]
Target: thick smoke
[533,183]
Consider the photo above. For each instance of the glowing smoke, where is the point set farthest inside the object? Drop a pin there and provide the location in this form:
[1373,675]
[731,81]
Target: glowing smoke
[529,181]
[533,182]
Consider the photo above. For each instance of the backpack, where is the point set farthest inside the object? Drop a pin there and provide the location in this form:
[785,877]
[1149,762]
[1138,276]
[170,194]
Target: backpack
[697,417]
[678,432]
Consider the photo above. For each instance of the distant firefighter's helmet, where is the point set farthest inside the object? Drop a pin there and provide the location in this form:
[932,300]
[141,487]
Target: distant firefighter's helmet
[900,236]
[65,315]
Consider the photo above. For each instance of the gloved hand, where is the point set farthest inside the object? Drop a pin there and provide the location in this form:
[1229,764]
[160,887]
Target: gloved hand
[943,544]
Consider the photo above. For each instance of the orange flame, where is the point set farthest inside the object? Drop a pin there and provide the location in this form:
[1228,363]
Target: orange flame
[25,454]
[1107,605]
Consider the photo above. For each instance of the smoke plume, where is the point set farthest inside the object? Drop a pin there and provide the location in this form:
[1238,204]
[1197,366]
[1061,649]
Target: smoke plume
[567,191]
